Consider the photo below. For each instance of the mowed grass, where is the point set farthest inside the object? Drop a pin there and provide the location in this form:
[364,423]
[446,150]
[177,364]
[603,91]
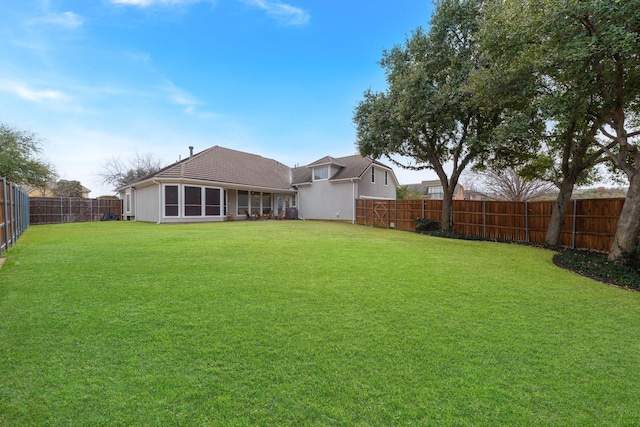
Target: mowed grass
[306,323]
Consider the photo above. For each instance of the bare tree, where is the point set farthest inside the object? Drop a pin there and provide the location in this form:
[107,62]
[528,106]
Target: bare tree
[508,185]
[118,173]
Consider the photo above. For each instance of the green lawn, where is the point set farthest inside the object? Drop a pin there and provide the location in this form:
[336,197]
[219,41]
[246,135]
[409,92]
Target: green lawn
[306,323]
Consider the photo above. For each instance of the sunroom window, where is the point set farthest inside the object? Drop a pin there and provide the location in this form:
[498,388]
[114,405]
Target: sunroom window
[171,200]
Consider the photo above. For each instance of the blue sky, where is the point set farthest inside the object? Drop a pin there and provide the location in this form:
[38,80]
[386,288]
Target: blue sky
[99,79]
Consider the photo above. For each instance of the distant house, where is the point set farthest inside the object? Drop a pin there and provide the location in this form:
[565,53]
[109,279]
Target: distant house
[49,189]
[219,183]
[433,190]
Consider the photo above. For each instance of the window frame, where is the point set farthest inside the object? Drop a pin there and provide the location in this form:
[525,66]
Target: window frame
[318,177]
[164,201]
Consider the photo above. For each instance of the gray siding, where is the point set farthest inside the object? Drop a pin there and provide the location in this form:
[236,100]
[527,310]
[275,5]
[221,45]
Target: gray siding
[327,200]
[146,203]
[377,190]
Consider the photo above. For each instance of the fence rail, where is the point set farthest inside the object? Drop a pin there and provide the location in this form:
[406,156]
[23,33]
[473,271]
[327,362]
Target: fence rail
[588,224]
[14,214]
[57,210]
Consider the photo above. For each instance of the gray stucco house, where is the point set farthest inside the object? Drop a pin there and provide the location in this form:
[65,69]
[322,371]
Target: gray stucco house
[219,183]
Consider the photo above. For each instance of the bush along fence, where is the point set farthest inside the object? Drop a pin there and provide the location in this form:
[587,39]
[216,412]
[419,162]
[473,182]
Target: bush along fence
[588,224]
[14,214]
[58,210]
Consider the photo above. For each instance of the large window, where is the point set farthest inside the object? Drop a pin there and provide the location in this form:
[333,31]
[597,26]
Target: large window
[254,201]
[212,202]
[171,200]
[266,203]
[321,173]
[192,201]
[243,201]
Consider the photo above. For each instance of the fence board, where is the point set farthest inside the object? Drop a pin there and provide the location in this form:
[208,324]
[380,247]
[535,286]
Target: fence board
[14,214]
[588,224]
[57,210]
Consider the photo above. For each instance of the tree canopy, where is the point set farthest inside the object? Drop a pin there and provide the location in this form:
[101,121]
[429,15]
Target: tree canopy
[426,114]
[579,62]
[19,160]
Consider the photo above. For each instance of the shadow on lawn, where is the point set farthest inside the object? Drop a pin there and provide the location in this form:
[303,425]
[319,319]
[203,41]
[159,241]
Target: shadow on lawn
[586,263]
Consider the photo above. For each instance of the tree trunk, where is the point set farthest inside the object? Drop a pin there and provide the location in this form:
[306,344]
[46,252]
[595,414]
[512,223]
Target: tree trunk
[559,211]
[447,207]
[628,229]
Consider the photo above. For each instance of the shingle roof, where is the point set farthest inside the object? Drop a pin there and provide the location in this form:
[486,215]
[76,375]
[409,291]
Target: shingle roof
[219,164]
[351,167]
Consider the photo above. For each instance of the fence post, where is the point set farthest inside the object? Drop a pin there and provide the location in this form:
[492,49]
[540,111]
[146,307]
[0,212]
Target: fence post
[484,219]
[526,221]
[14,212]
[4,212]
[573,231]
[423,201]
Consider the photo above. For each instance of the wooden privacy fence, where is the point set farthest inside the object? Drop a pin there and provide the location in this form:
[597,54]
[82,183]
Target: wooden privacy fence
[57,210]
[14,214]
[588,224]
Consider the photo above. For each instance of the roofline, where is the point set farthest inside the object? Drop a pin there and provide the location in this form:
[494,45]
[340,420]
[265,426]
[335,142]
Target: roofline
[153,181]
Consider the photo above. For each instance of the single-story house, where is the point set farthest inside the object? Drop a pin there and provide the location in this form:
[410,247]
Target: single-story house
[432,190]
[220,183]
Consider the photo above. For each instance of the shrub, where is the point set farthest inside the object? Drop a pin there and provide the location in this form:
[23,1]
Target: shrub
[596,266]
[424,225]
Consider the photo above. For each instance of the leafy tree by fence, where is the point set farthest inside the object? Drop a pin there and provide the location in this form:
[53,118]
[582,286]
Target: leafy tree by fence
[14,214]
[56,210]
[589,223]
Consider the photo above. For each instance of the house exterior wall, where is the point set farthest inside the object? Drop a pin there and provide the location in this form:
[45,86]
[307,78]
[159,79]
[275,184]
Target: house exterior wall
[326,200]
[145,203]
[377,189]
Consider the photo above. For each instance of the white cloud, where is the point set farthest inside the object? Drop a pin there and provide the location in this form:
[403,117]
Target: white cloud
[148,3]
[187,101]
[284,13]
[25,92]
[68,20]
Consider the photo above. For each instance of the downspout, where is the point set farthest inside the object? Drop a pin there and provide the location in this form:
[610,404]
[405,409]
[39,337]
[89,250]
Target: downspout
[355,194]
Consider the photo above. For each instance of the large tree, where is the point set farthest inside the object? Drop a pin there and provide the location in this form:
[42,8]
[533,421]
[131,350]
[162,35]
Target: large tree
[583,58]
[19,161]
[531,70]
[119,173]
[427,114]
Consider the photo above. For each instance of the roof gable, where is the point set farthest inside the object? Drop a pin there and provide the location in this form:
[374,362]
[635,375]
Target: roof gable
[351,167]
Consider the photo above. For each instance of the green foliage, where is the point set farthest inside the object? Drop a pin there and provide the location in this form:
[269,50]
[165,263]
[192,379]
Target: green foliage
[425,225]
[404,193]
[127,323]
[598,267]
[428,113]
[18,158]
[64,188]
